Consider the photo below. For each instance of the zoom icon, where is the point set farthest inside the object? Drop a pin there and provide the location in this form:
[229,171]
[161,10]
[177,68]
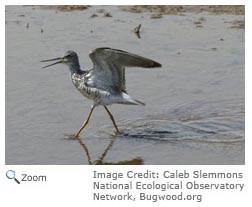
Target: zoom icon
[10,174]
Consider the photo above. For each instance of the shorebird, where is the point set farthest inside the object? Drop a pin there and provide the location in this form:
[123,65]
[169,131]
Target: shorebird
[104,83]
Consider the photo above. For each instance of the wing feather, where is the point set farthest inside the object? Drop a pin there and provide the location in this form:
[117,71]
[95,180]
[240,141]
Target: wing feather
[109,67]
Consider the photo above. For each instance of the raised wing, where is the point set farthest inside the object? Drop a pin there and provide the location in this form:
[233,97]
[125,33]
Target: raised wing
[121,58]
[109,67]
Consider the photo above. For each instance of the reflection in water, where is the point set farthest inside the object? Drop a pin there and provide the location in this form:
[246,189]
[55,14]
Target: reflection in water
[85,150]
[137,31]
[135,161]
[138,35]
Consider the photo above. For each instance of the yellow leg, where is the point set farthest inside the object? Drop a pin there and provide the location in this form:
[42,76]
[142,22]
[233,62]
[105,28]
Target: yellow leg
[85,122]
[113,120]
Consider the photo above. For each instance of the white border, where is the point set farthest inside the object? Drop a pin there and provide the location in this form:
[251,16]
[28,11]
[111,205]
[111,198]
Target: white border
[70,185]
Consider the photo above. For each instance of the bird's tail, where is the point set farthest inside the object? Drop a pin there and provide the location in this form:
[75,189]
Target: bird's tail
[139,102]
[128,100]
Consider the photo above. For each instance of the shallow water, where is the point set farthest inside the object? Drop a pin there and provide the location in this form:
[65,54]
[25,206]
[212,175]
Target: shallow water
[194,111]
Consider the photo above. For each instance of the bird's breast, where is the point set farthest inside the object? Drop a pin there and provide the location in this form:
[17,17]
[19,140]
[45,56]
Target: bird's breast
[93,93]
[78,81]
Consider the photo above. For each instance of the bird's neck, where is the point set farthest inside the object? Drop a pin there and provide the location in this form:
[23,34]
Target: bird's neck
[75,68]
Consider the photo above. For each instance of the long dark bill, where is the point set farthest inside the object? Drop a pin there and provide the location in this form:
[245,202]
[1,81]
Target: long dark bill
[52,63]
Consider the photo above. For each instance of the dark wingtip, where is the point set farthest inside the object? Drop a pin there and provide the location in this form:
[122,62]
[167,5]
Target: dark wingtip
[156,65]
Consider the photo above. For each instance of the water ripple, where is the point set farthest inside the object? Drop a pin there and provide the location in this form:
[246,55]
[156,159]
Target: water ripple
[203,130]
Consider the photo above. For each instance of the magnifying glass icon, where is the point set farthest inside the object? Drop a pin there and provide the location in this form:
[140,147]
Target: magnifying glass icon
[11,175]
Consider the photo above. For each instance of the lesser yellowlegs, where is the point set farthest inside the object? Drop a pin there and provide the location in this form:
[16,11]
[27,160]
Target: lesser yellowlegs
[104,83]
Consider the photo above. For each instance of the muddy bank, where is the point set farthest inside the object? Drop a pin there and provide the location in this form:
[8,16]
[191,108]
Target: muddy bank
[163,9]
[65,7]
[159,10]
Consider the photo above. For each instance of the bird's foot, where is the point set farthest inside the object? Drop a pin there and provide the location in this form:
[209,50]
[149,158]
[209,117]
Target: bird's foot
[117,132]
[71,136]
[75,137]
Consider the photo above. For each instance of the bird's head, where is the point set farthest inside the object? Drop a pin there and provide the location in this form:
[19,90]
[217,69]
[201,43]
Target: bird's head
[70,58]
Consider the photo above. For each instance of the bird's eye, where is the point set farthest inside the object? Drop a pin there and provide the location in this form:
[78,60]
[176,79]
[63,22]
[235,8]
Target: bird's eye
[68,56]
